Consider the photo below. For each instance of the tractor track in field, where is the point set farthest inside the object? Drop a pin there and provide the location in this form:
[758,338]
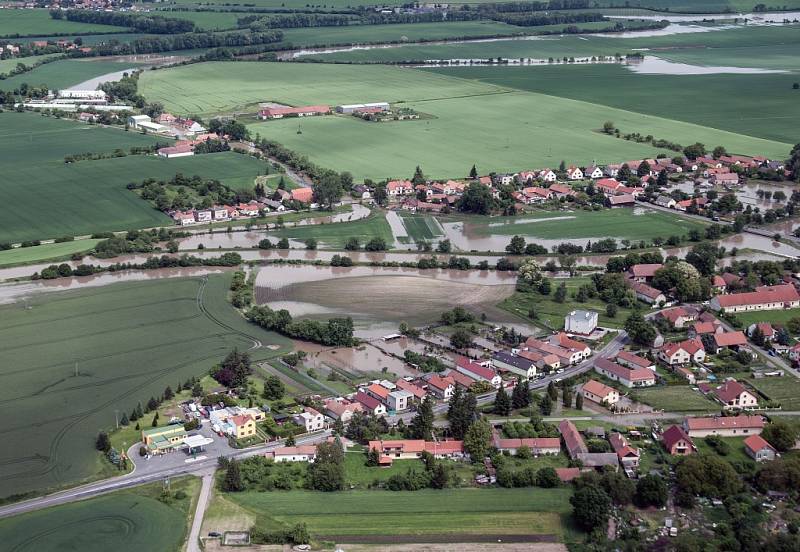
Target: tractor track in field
[257,344]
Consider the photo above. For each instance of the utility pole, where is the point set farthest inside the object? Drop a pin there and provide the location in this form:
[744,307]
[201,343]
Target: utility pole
[116,418]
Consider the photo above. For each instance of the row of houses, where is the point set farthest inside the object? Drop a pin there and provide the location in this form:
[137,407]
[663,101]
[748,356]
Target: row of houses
[542,355]
[221,213]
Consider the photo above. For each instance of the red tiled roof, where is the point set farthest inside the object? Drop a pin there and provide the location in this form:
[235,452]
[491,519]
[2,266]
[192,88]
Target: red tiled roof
[298,450]
[620,445]
[444,447]
[401,445]
[644,270]
[730,339]
[567,474]
[379,390]
[691,346]
[370,402]
[632,358]
[783,293]
[240,420]
[599,389]
[568,343]
[534,443]
[572,439]
[756,443]
[704,328]
[674,434]
[621,199]
[725,422]
[439,382]
[461,379]
[644,289]
[729,391]
[303,195]
[415,390]
[475,368]
[632,375]
[674,313]
[611,183]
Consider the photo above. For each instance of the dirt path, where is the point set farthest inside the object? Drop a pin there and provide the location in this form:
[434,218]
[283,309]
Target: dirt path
[193,544]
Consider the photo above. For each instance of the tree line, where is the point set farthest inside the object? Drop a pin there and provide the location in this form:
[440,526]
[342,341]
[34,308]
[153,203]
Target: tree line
[335,332]
[144,23]
[185,41]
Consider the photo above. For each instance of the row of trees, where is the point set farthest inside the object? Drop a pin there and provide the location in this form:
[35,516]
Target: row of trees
[143,23]
[335,332]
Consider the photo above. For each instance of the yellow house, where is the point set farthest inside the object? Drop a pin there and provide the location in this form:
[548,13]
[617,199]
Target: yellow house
[165,438]
[245,426]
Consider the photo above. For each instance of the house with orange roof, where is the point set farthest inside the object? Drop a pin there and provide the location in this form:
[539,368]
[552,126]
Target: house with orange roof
[561,339]
[648,294]
[303,195]
[635,377]
[734,395]
[782,296]
[643,272]
[679,353]
[729,340]
[440,387]
[418,392]
[759,449]
[678,317]
[628,455]
[766,329]
[677,441]
[301,453]
[342,409]
[724,426]
[243,426]
[632,360]
[600,393]
[478,371]
[573,441]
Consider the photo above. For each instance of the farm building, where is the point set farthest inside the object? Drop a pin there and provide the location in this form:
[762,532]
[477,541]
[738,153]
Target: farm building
[724,426]
[783,296]
[183,150]
[352,108]
[281,112]
[759,449]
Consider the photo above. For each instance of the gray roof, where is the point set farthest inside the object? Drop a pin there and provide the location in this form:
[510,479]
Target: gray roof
[513,360]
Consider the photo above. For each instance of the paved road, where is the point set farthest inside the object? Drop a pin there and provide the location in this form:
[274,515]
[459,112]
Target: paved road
[202,503]
[138,477]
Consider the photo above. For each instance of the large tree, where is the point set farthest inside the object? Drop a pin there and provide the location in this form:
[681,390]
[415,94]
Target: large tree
[233,371]
[476,439]
[327,472]
[502,403]
[422,424]
[273,388]
[476,198]
[327,189]
[651,490]
[780,434]
[461,412]
[590,507]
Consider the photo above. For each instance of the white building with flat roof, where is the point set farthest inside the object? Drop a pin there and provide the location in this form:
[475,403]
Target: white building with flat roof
[580,322]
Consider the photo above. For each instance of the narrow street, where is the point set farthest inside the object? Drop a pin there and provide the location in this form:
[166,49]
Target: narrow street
[193,544]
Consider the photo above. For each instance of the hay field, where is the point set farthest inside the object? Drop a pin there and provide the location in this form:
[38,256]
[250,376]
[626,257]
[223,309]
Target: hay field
[38,22]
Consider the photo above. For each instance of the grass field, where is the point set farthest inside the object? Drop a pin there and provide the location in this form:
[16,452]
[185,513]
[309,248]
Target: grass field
[553,313]
[421,227]
[23,255]
[90,196]
[38,22]
[7,65]
[785,390]
[443,144]
[129,342]
[125,521]
[676,398]
[447,512]
[205,20]
[776,316]
[615,223]
[334,236]
[360,34]
[65,73]
[701,99]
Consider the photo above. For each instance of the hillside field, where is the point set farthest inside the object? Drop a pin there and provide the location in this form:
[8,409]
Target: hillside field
[38,22]
[129,341]
[452,512]
[65,73]
[125,521]
[464,122]
[90,196]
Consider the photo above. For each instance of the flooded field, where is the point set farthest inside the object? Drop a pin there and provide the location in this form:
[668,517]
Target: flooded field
[651,65]
[378,299]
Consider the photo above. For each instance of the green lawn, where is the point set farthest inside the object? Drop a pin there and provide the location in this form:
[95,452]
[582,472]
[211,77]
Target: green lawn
[639,224]
[130,341]
[56,251]
[785,390]
[553,313]
[125,521]
[736,453]
[676,398]
[334,236]
[452,511]
[38,22]
[205,20]
[774,316]
[90,196]
[470,122]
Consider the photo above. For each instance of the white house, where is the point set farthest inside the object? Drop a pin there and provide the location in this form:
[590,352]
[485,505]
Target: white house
[581,322]
[310,419]
[574,173]
[303,453]
[682,352]
[399,400]
[599,392]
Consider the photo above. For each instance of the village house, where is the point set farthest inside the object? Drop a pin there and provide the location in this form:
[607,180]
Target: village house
[724,426]
[581,322]
[243,426]
[181,150]
[378,391]
[724,179]
[782,296]
[566,342]
[310,419]
[562,190]
[460,379]
[677,441]
[648,294]
[518,365]
[628,455]
[341,409]
[219,212]
[478,371]
[600,393]
[636,377]
[546,175]
[184,218]
[665,201]
[543,348]
[705,328]
[733,395]
[729,340]
[441,388]
[546,362]
[416,391]
[686,374]
[370,404]
[572,439]
[765,328]
[396,188]
[302,453]
[399,400]
[574,173]
[759,449]
[678,317]
[608,186]
[612,170]
[643,273]
[204,215]
[593,172]
[302,195]
[405,449]
[632,360]
[680,353]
